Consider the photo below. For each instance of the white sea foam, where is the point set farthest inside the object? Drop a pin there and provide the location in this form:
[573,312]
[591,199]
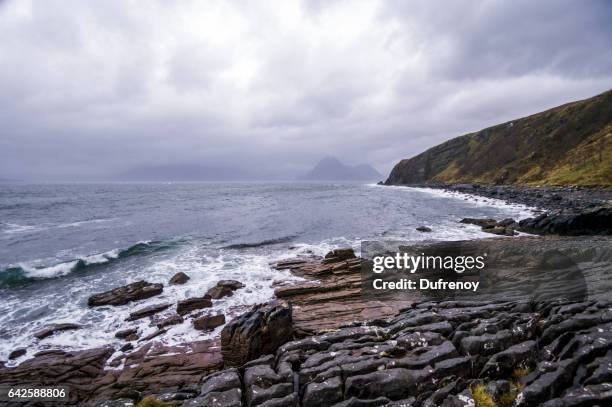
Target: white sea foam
[515,209]
[14,228]
[100,323]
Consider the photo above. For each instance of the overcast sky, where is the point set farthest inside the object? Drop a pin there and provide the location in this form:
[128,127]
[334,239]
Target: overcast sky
[92,88]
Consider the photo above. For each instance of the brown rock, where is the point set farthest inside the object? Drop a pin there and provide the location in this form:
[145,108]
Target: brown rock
[257,332]
[209,322]
[153,335]
[147,311]
[179,278]
[339,255]
[125,333]
[482,222]
[122,295]
[17,353]
[52,329]
[224,288]
[500,230]
[171,320]
[190,304]
[82,371]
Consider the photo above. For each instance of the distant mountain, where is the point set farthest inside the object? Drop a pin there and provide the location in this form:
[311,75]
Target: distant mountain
[184,172]
[331,169]
[567,145]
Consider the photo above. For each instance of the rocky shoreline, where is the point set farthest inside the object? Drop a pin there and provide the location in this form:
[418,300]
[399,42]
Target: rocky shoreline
[323,343]
[566,211]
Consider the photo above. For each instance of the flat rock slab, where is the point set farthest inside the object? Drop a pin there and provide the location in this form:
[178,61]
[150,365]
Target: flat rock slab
[82,371]
[208,322]
[167,321]
[191,304]
[332,296]
[139,290]
[147,311]
[53,329]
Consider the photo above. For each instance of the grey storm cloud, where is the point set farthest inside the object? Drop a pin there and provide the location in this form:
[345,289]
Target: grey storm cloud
[89,89]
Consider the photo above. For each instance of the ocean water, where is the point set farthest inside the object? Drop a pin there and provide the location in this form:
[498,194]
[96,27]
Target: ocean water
[61,243]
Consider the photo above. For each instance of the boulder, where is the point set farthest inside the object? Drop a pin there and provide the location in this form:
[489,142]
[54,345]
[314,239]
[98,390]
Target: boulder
[139,290]
[52,329]
[208,322]
[125,333]
[255,333]
[224,288]
[147,311]
[169,321]
[17,353]
[423,229]
[179,278]
[482,222]
[191,304]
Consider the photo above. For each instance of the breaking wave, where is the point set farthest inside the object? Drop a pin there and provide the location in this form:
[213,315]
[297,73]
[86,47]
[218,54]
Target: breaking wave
[20,274]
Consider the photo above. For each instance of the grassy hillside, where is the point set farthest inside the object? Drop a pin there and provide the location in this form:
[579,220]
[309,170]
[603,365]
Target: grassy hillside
[567,145]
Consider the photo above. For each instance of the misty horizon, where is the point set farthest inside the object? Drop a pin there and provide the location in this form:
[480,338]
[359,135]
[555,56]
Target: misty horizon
[266,90]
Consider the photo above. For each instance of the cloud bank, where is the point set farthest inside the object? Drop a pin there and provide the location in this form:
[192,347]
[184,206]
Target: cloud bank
[90,89]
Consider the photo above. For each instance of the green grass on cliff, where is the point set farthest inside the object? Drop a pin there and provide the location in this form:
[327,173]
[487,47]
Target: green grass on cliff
[567,145]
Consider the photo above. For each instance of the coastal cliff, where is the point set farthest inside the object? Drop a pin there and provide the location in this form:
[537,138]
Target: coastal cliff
[567,145]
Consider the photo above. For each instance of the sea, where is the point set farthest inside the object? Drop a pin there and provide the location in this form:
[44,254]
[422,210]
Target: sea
[61,243]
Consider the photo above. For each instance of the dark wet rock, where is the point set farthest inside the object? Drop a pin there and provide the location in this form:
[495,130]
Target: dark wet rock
[168,321]
[258,332]
[503,363]
[139,290]
[125,333]
[179,278]
[548,385]
[224,288]
[500,230]
[208,322]
[192,304]
[177,396]
[53,329]
[592,221]
[221,381]
[17,353]
[326,392]
[423,229]
[482,222]
[229,398]
[463,399]
[504,227]
[127,347]
[256,396]
[147,311]
[593,395]
[392,383]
